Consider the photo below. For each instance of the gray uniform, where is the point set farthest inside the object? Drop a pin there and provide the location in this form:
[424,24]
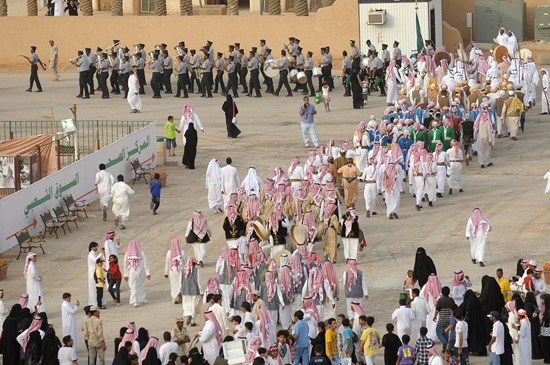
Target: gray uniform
[220,64]
[206,80]
[83,68]
[166,77]
[156,78]
[104,75]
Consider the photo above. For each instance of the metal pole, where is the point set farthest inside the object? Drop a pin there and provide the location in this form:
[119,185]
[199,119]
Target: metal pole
[73,110]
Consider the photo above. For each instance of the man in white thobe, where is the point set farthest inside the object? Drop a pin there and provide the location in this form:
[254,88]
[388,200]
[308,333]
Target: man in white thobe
[230,180]
[59,7]
[220,313]
[167,348]
[524,334]
[68,318]
[34,290]
[210,338]
[133,91]
[214,186]
[477,228]
[136,270]
[110,247]
[420,309]
[93,255]
[173,267]
[104,181]
[120,192]
[404,317]
[545,94]
[539,285]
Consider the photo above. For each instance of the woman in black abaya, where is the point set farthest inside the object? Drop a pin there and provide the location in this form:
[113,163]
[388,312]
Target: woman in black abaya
[478,333]
[423,267]
[190,149]
[355,79]
[533,314]
[230,109]
[50,348]
[9,347]
[491,297]
[545,322]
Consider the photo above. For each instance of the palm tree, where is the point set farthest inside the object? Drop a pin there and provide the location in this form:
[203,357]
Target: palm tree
[274,7]
[301,8]
[116,8]
[160,7]
[3,8]
[86,7]
[186,7]
[232,7]
[32,8]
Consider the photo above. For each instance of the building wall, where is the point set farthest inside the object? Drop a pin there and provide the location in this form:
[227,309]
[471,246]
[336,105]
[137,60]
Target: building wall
[454,13]
[75,33]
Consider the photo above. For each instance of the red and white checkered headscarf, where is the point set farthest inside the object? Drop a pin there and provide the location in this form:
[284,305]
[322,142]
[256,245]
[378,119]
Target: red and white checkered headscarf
[175,254]
[200,226]
[133,255]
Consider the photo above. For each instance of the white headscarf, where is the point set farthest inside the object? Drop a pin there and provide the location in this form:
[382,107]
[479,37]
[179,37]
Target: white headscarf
[252,182]
[213,173]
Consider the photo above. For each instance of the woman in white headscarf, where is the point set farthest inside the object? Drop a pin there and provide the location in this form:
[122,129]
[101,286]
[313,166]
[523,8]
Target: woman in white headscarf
[252,183]
[512,44]
[214,186]
[545,95]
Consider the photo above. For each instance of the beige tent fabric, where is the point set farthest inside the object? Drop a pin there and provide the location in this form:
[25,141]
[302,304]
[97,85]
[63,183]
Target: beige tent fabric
[29,146]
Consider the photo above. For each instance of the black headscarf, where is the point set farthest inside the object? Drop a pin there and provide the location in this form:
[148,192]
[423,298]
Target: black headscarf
[190,148]
[33,352]
[50,347]
[44,326]
[423,267]
[9,346]
[519,268]
[507,357]
[230,109]
[516,297]
[546,315]
[142,337]
[122,357]
[478,323]
[196,357]
[491,297]
[151,358]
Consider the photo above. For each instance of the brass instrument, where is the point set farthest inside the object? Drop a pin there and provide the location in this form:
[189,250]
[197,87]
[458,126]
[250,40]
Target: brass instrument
[112,46]
[157,47]
[136,48]
[179,50]
[72,60]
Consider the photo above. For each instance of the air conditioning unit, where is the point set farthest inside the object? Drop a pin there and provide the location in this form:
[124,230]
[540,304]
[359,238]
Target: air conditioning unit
[377,17]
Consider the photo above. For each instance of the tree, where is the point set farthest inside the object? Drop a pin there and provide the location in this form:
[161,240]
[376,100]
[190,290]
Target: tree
[32,8]
[86,7]
[116,7]
[301,8]
[186,7]
[160,7]
[232,7]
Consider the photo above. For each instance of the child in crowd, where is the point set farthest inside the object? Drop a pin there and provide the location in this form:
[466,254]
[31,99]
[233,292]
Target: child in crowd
[326,96]
[99,277]
[391,344]
[170,136]
[115,278]
[155,186]
[406,355]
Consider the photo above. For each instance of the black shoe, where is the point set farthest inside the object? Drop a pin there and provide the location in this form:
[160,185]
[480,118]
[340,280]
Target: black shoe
[418,208]
[482,166]
[374,213]
[460,190]
[489,164]
[29,90]
[474,261]
[79,96]
[289,95]
[450,192]
[431,204]
[439,195]
[39,90]
[86,97]
[92,93]
[481,264]
[176,96]
[104,97]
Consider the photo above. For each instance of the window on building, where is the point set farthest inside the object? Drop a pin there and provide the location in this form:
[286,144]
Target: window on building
[147,6]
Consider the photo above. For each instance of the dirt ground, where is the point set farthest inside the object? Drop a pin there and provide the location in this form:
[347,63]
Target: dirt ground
[510,193]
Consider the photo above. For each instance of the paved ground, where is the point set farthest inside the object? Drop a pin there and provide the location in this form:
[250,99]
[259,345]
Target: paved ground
[511,194]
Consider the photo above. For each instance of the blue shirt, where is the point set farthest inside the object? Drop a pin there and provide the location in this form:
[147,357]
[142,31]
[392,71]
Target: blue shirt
[155,187]
[307,117]
[301,329]
[348,335]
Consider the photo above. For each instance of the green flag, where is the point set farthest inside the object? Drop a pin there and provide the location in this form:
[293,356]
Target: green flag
[419,40]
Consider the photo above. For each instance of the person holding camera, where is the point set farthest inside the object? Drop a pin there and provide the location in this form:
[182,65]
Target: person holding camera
[307,112]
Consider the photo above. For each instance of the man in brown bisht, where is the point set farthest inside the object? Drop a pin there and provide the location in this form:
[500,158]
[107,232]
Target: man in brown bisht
[350,173]
[511,112]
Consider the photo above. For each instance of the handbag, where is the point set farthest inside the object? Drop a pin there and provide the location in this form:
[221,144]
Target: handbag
[544,331]
[234,119]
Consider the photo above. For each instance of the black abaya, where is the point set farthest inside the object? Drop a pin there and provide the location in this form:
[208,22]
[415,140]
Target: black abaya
[50,348]
[231,110]
[478,326]
[10,348]
[507,357]
[545,340]
[491,297]
[190,149]
[533,315]
[122,357]
[356,90]
[423,267]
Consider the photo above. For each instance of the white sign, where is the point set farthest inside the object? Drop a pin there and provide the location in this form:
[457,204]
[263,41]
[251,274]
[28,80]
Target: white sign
[22,209]
[469,19]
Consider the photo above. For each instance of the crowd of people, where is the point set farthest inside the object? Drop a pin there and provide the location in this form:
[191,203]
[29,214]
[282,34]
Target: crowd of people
[273,288]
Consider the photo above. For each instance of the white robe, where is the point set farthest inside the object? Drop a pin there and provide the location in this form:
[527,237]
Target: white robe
[298,175]
[430,323]
[361,150]
[59,7]
[524,345]
[184,124]
[134,99]
[214,185]
[34,290]
[104,182]
[68,320]
[441,177]
[393,198]
[512,319]
[370,194]
[455,168]
[547,178]
[545,94]
[174,274]
[478,242]
[421,310]
[111,248]
[136,279]
[92,258]
[230,182]
[120,192]
[391,97]
[207,338]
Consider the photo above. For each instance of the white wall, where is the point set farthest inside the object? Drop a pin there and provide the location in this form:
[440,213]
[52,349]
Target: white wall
[400,25]
[23,208]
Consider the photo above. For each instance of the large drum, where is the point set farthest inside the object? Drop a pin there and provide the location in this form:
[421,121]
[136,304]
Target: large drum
[291,60]
[301,77]
[293,74]
[317,72]
[269,70]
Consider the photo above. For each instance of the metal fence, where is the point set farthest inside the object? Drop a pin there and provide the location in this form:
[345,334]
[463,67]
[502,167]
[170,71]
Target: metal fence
[92,134]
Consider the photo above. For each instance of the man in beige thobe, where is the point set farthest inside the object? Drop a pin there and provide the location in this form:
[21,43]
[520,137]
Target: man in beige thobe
[350,173]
